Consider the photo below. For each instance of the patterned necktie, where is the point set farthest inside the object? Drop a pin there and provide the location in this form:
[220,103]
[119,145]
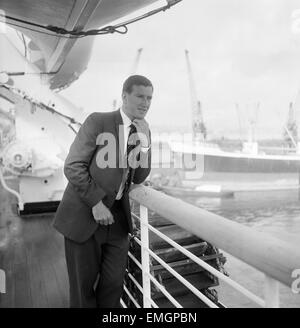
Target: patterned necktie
[130,147]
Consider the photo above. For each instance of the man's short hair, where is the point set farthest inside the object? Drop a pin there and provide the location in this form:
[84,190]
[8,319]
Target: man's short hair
[136,80]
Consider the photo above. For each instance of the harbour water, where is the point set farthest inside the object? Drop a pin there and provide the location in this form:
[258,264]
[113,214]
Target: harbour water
[268,205]
[276,212]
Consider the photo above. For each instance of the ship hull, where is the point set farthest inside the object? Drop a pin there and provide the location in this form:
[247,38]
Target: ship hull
[214,163]
[236,163]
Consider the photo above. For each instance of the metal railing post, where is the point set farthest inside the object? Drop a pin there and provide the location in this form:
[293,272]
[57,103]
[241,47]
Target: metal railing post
[271,292]
[145,257]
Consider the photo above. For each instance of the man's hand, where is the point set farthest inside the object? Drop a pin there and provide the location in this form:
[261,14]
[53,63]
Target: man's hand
[102,214]
[142,129]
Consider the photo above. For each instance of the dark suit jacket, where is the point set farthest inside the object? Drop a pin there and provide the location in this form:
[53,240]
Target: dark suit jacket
[88,184]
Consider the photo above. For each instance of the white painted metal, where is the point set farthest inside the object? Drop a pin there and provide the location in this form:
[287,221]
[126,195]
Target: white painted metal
[135,260]
[43,190]
[183,280]
[209,268]
[271,292]
[81,14]
[165,292]
[140,288]
[132,298]
[123,304]
[145,258]
[158,285]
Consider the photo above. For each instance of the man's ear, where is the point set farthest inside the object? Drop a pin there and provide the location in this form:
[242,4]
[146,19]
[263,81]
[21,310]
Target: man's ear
[124,96]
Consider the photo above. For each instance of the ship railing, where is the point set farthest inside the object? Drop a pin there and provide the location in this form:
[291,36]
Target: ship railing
[275,258]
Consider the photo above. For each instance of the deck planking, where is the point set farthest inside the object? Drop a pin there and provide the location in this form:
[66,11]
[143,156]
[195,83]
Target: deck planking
[32,256]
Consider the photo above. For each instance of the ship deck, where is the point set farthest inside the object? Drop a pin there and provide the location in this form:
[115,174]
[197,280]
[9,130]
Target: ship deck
[32,256]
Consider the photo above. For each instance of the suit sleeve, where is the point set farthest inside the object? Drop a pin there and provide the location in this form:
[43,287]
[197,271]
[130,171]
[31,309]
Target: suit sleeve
[76,168]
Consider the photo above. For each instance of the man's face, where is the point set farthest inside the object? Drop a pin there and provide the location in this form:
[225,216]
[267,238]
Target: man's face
[137,103]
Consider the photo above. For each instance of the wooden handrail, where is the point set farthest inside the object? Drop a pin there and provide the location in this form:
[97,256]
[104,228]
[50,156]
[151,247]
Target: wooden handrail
[270,255]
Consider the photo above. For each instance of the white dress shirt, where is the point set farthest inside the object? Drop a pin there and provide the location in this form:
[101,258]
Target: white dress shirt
[126,129]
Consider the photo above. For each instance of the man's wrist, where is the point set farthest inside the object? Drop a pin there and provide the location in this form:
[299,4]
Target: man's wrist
[145,148]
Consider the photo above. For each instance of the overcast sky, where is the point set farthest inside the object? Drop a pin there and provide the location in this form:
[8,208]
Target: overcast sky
[241,51]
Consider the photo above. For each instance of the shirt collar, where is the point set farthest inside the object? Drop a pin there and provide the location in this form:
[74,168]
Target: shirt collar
[125,118]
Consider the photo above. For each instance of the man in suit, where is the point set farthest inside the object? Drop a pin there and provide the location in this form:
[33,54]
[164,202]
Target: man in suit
[94,214]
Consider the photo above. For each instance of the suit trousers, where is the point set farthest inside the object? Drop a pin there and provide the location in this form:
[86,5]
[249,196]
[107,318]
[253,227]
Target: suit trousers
[96,267]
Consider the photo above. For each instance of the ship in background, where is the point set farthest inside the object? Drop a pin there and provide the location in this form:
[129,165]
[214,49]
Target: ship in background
[250,158]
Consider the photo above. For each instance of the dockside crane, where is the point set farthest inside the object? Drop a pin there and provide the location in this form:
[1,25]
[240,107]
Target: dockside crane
[290,133]
[198,126]
[135,66]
